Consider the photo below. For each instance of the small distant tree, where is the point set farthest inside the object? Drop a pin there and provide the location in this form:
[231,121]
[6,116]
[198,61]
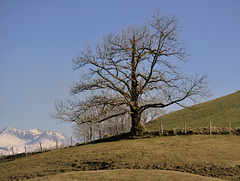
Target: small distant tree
[84,132]
[117,125]
[132,71]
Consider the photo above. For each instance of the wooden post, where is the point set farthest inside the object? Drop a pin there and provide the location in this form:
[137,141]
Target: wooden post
[210,127]
[161,128]
[122,125]
[103,131]
[84,140]
[71,141]
[25,148]
[41,149]
[116,130]
[100,131]
[229,127]
[13,150]
[93,135]
[185,128]
[56,145]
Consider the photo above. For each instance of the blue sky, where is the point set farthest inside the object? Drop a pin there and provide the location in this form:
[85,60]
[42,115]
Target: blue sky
[39,38]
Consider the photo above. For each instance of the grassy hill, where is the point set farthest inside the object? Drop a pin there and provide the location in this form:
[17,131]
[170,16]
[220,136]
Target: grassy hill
[206,155]
[219,111]
[135,159]
[126,174]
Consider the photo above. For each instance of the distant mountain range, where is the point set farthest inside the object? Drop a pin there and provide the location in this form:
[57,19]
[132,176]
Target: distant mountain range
[18,140]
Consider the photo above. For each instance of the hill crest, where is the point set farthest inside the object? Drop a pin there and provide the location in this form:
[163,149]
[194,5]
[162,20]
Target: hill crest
[219,111]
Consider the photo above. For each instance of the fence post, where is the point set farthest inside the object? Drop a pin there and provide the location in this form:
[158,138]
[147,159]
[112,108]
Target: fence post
[122,125]
[229,127]
[210,127]
[132,132]
[25,148]
[41,147]
[13,150]
[100,131]
[71,141]
[185,128]
[56,145]
[84,140]
[116,130]
[161,128]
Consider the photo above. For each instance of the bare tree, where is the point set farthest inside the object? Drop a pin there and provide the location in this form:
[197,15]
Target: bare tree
[151,114]
[117,125]
[84,132]
[133,71]
[92,130]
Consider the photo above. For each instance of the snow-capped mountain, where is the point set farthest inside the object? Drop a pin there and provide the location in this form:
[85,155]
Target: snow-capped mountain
[50,136]
[19,140]
[24,135]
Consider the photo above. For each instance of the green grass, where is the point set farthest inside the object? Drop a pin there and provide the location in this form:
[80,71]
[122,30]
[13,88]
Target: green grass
[207,155]
[123,174]
[219,111]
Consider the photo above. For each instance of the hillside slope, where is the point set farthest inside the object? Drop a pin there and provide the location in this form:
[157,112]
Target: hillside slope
[219,111]
[206,155]
[126,175]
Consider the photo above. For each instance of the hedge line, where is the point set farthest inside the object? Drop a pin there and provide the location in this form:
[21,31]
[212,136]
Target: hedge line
[194,131]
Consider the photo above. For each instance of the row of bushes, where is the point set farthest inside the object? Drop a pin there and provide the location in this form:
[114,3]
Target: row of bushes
[192,131]
[168,132]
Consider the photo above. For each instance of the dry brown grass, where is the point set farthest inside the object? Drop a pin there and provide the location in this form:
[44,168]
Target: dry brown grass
[123,174]
[209,155]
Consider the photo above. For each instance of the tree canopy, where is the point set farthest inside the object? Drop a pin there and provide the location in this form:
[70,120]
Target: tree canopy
[130,72]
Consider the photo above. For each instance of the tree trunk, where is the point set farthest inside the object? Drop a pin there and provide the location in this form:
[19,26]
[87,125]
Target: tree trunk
[137,127]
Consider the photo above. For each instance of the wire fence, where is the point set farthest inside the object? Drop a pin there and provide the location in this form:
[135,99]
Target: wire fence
[209,128]
[30,149]
[162,130]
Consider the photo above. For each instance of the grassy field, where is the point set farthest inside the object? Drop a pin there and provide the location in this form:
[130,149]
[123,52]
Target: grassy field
[219,111]
[126,174]
[165,157]
[207,155]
